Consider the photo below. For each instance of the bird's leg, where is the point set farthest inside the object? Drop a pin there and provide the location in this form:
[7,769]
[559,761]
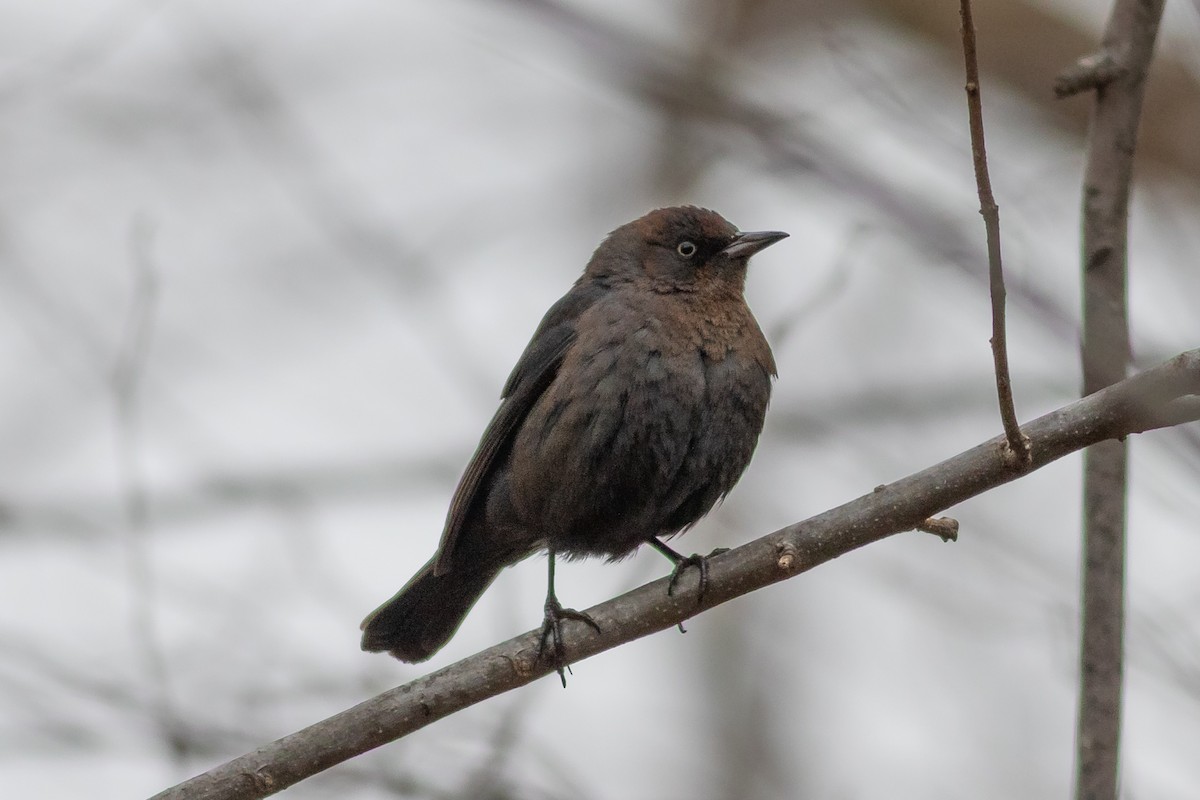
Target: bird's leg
[552,624]
[682,562]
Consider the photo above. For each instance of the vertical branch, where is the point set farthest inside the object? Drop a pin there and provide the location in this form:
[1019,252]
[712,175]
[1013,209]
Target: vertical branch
[1117,74]
[126,383]
[1018,444]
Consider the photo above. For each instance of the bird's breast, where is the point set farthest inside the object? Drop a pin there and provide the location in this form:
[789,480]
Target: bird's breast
[658,409]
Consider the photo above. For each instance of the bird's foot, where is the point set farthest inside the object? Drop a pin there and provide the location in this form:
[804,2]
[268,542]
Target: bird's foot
[701,563]
[552,632]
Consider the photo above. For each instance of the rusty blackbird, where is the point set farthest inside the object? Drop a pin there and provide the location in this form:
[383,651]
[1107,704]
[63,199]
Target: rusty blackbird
[633,410]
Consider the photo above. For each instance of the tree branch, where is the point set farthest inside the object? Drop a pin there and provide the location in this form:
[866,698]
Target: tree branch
[1018,444]
[1124,63]
[128,376]
[1132,406]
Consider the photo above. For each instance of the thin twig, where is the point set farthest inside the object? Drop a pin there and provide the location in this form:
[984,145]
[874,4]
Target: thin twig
[1108,180]
[1129,407]
[126,386]
[1018,445]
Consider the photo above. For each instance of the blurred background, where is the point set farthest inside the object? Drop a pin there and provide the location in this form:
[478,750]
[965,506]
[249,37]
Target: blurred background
[264,268]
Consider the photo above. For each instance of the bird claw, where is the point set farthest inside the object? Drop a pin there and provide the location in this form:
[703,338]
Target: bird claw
[552,631]
[701,563]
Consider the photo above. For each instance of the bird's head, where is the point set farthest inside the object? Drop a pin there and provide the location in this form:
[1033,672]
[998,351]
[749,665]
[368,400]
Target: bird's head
[680,248]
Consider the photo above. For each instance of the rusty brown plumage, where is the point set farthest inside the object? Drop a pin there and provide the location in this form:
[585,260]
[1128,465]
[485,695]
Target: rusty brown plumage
[635,407]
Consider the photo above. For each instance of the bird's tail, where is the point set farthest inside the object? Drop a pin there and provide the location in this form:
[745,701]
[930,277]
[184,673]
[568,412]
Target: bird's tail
[422,617]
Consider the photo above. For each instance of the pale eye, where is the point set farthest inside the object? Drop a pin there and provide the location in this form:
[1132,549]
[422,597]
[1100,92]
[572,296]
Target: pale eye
[686,249]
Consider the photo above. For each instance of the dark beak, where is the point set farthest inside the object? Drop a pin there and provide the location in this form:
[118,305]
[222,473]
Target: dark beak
[748,243]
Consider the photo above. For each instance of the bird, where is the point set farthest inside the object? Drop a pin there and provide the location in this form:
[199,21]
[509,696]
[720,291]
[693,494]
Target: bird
[633,410]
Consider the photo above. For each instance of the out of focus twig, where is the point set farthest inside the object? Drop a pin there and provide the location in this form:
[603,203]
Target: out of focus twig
[1017,444]
[1127,48]
[126,384]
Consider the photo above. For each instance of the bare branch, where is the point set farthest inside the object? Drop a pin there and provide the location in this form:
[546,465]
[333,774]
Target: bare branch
[1131,406]
[1108,179]
[1018,444]
[127,380]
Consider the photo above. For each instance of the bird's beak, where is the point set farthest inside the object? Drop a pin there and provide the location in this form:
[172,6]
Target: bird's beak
[748,243]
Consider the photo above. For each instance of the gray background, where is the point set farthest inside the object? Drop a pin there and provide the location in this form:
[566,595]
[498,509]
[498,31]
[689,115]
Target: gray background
[265,266]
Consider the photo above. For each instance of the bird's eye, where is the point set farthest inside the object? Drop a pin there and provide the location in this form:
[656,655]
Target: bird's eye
[686,249]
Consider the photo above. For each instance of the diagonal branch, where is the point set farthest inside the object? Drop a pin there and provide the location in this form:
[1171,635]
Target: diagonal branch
[1166,393]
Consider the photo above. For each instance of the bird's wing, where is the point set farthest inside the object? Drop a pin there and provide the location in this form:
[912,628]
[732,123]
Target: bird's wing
[533,373]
